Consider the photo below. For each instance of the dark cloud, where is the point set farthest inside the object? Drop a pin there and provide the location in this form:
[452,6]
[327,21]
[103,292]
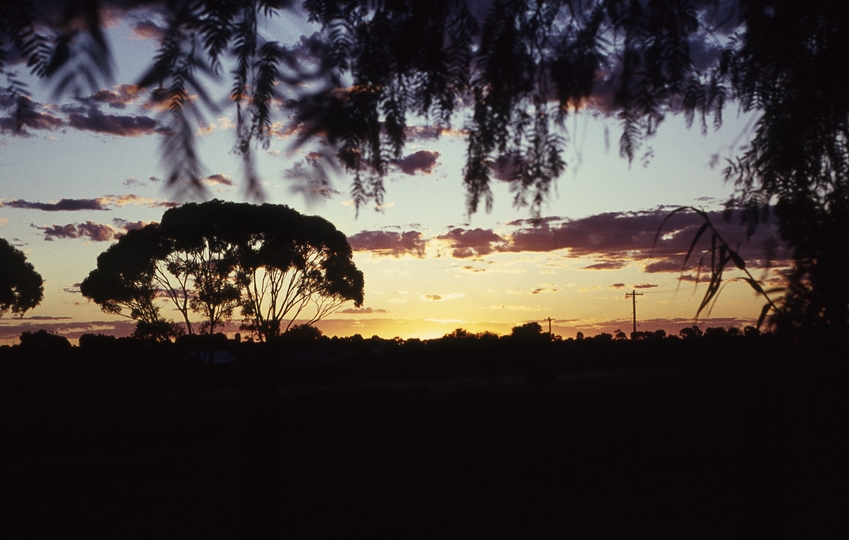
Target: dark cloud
[57,231]
[540,290]
[645,286]
[606,265]
[666,265]
[118,98]
[96,232]
[433,297]
[92,119]
[506,167]
[703,278]
[221,179]
[64,205]
[309,48]
[106,202]
[616,235]
[615,239]
[616,286]
[389,243]
[84,116]
[136,182]
[129,225]
[37,121]
[530,222]
[35,117]
[423,160]
[362,311]
[472,243]
[609,233]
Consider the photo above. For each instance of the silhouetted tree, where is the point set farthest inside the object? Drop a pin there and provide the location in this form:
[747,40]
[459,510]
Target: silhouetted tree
[531,331]
[519,68]
[211,258]
[646,335]
[459,333]
[289,265]
[301,334]
[129,278]
[44,341]
[21,287]
[717,333]
[691,332]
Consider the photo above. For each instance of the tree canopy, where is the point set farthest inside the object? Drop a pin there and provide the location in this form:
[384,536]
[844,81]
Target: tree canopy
[272,263]
[21,287]
[508,73]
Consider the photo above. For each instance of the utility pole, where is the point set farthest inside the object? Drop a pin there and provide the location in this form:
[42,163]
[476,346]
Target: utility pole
[634,294]
[549,329]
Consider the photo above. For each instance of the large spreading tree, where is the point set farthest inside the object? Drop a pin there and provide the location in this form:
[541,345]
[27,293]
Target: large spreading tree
[508,72]
[271,263]
[21,287]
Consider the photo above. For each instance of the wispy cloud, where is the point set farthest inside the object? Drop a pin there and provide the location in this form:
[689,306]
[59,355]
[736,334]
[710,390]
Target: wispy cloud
[441,297]
[362,311]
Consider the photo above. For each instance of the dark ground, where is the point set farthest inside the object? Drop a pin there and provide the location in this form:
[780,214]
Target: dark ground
[674,451]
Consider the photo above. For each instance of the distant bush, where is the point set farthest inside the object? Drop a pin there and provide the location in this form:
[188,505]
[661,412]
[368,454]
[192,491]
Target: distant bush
[43,340]
[531,331]
[98,342]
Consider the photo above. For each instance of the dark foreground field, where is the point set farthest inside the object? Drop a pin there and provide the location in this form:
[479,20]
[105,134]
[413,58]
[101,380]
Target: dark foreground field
[695,450]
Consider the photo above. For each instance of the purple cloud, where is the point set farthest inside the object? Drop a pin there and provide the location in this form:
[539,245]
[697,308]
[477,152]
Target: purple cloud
[64,205]
[471,242]
[96,232]
[423,160]
[389,243]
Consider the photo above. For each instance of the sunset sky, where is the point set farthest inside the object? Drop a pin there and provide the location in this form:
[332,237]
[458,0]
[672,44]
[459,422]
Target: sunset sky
[93,171]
